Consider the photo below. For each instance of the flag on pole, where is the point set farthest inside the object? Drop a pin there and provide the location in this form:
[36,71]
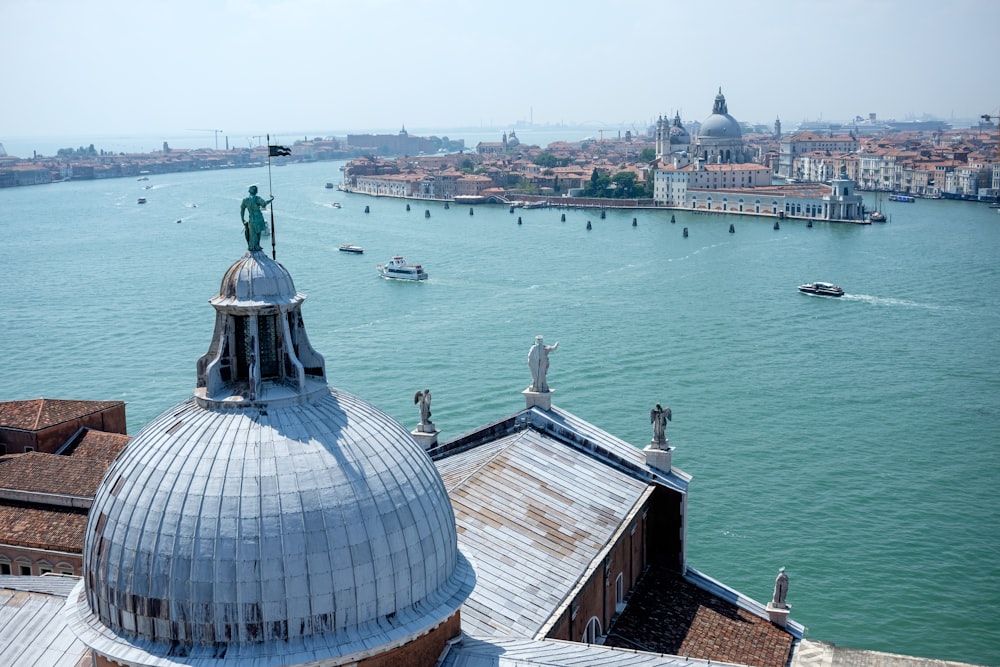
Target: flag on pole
[275,151]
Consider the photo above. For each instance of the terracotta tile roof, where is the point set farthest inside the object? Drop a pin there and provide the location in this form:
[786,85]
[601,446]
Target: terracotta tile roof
[99,445]
[51,473]
[57,530]
[666,614]
[39,413]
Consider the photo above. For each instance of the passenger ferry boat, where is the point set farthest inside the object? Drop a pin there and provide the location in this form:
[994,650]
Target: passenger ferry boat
[398,269]
[903,198]
[821,289]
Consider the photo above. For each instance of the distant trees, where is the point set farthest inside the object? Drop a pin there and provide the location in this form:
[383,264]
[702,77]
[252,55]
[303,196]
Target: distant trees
[598,185]
[623,185]
[89,151]
[647,155]
[549,160]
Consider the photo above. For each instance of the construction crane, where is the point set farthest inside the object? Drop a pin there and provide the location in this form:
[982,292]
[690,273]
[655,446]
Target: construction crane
[217,132]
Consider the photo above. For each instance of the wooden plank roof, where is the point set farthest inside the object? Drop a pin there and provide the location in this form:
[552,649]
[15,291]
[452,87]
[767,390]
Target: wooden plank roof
[533,510]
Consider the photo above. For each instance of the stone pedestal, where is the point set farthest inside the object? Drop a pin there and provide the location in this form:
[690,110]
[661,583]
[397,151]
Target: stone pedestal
[426,435]
[541,399]
[658,455]
[778,615]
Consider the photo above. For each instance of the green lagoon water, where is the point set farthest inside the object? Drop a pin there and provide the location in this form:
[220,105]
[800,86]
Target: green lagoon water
[852,440]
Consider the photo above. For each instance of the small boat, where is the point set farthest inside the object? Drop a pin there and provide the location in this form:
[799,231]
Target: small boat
[903,198]
[329,186]
[335,204]
[142,200]
[876,216]
[351,248]
[398,269]
[821,289]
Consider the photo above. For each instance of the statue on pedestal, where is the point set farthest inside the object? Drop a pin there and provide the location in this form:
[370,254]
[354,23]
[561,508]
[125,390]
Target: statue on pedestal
[538,362]
[659,417]
[423,400]
[780,590]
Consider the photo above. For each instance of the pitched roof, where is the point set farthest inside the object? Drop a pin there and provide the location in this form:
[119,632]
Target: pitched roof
[40,413]
[38,472]
[37,528]
[34,629]
[668,613]
[98,445]
[535,502]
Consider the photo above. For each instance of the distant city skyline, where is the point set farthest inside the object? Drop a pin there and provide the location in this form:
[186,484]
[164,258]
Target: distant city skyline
[115,68]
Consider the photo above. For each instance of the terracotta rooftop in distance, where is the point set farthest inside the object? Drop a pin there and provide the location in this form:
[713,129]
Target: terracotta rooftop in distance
[50,473]
[39,413]
[57,530]
[666,614]
[98,445]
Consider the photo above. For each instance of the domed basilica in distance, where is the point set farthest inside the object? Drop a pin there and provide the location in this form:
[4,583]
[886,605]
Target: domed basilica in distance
[719,139]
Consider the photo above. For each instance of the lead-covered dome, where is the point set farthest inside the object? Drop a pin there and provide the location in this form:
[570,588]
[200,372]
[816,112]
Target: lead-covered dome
[255,279]
[678,133]
[720,124]
[269,517]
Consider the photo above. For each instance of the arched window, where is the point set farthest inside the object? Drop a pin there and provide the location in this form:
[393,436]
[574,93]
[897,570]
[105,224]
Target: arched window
[620,593]
[592,632]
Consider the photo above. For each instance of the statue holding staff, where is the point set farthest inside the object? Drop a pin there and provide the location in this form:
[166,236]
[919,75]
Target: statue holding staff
[255,226]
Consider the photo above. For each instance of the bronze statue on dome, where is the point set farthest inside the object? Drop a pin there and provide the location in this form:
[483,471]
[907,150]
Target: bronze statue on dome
[255,226]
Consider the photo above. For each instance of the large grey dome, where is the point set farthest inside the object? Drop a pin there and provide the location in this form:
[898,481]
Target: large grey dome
[321,525]
[269,518]
[720,124]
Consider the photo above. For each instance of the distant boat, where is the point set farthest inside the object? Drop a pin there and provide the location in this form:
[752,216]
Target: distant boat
[398,269]
[903,198]
[821,289]
[143,178]
[877,215]
[335,204]
[329,186]
[142,200]
[351,248]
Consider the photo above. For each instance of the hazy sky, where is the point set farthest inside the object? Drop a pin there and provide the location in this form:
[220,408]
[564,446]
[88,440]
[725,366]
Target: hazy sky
[111,67]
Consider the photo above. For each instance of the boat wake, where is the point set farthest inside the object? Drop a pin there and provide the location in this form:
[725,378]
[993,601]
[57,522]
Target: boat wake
[693,253]
[890,301]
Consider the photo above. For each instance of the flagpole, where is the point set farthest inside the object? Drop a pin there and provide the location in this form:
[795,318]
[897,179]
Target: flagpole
[274,252]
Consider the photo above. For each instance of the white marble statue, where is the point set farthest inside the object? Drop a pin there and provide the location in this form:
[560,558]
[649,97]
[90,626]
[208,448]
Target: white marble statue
[538,362]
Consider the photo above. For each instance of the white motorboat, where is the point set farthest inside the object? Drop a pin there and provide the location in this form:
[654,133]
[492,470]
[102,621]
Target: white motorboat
[397,268]
[821,289]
